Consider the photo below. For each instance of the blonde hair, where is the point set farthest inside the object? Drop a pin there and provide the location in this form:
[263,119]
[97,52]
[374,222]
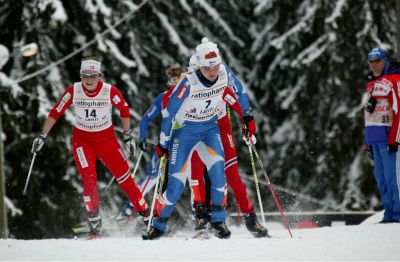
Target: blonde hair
[90,58]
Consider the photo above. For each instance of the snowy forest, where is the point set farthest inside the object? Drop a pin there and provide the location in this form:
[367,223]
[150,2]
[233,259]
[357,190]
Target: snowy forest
[304,64]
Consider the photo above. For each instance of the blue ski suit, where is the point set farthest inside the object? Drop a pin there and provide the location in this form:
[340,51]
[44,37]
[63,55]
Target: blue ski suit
[189,124]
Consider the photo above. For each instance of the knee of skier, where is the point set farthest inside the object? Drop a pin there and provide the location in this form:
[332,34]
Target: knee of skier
[174,190]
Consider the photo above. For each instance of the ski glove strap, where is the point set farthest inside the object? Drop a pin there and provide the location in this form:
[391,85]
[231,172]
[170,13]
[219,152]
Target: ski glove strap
[130,144]
[38,143]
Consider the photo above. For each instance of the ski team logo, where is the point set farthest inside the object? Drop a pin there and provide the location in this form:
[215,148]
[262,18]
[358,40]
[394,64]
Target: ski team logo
[182,92]
[230,99]
[174,151]
[210,55]
[63,101]
[88,203]
[81,157]
[116,99]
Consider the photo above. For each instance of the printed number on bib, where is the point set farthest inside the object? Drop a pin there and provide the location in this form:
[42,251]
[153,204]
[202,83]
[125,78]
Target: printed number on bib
[92,113]
[208,103]
[385,119]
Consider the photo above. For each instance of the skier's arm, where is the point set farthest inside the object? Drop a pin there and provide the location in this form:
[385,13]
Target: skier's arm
[48,125]
[150,114]
[393,97]
[58,109]
[239,90]
[119,102]
[230,99]
[175,102]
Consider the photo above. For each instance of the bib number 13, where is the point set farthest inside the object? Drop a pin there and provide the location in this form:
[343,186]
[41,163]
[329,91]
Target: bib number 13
[91,113]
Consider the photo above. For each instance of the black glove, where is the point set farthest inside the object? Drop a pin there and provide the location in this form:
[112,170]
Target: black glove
[130,144]
[392,149]
[143,145]
[38,143]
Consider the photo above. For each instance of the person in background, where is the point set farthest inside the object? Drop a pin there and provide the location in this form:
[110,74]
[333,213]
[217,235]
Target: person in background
[94,137]
[173,74]
[381,132]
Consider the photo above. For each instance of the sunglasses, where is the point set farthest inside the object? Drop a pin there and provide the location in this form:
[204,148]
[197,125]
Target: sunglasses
[210,68]
[374,61]
[92,75]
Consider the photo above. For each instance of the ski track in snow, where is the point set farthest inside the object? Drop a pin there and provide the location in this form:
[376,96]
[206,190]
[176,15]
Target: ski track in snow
[365,242]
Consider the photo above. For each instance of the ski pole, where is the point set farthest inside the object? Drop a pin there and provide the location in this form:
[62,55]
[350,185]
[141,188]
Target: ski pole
[271,188]
[161,171]
[137,164]
[253,167]
[143,189]
[29,173]
[133,173]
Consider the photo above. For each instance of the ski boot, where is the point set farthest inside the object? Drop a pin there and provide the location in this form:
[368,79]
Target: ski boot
[153,234]
[201,217]
[254,227]
[94,224]
[221,230]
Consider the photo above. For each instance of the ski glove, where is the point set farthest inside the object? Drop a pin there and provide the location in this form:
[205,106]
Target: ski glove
[250,126]
[143,145]
[161,150]
[392,149]
[38,143]
[130,144]
[251,141]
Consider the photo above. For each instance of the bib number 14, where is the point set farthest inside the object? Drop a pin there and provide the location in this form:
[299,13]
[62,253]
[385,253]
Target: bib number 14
[91,113]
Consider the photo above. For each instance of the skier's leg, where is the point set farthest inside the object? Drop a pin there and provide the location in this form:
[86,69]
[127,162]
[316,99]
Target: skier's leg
[149,179]
[178,172]
[110,153]
[198,190]
[378,151]
[211,153]
[197,179]
[85,160]
[390,173]
[231,167]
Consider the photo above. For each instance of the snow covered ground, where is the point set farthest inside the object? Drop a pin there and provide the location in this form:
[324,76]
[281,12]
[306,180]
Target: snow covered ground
[365,242]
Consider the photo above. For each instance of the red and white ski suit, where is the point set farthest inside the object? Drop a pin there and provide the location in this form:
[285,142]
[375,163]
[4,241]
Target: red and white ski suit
[94,137]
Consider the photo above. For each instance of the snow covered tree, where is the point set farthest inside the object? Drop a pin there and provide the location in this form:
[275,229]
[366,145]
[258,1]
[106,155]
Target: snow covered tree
[303,62]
